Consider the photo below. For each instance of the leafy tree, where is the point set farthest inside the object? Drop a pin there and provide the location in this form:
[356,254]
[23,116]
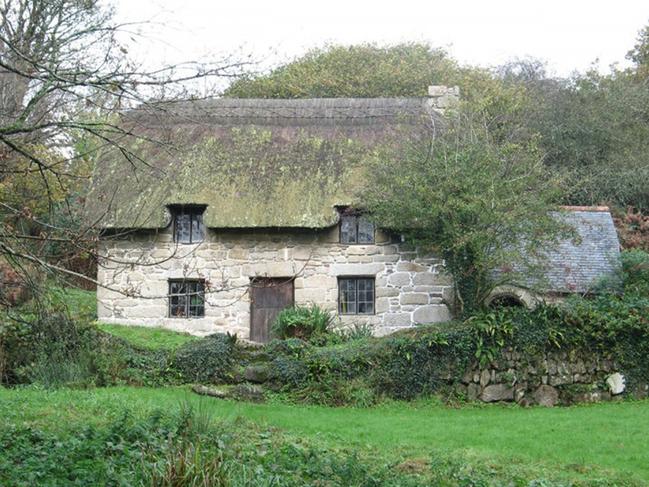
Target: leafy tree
[481,203]
[593,128]
[364,70]
[639,55]
[372,71]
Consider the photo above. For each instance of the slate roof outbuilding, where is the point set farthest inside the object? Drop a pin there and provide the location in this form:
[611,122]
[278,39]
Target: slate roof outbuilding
[579,265]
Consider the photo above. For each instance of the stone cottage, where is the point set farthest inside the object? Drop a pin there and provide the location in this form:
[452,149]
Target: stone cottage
[229,210]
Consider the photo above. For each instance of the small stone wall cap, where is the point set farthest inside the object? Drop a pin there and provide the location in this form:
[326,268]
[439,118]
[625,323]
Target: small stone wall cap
[602,209]
[616,383]
[442,90]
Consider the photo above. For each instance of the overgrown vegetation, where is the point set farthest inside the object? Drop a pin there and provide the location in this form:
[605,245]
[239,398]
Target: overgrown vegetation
[432,359]
[351,71]
[56,350]
[635,272]
[185,448]
[591,128]
[211,359]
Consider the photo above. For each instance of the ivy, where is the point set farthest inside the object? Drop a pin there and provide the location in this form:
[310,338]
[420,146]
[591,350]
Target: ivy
[431,359]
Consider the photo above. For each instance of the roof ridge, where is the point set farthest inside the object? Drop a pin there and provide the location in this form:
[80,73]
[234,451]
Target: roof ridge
[601,209]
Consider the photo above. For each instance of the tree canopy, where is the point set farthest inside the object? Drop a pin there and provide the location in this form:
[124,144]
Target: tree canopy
[639,55]
[481,203]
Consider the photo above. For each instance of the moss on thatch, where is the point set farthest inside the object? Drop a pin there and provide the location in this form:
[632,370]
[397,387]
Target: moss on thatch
[283,165]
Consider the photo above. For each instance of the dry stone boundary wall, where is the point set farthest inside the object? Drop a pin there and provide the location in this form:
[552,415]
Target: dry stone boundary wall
[557,378]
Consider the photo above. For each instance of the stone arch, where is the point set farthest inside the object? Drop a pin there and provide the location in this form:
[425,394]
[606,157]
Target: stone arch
[506,300]
[512,296]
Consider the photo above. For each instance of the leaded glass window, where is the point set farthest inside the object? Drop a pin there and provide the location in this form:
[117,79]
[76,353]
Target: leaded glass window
[188,225]
[356,295]
[356,229]
[186,298]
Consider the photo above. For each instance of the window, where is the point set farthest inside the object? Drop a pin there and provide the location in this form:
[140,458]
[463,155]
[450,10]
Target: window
[356,229]
[188,224]
[356,295]
[186,298]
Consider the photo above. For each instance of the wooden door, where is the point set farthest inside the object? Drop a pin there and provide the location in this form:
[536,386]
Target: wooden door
[268,296]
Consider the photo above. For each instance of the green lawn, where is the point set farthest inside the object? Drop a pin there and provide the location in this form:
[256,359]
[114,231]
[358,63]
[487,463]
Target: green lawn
[148,337]
[82,305]
[79,303]
[578,440]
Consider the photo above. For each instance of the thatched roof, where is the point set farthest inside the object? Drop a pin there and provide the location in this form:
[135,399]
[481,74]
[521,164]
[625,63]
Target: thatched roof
[254,163]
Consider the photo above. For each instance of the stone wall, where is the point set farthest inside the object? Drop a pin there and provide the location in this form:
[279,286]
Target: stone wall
[550,379]
[135,270]
[556,378]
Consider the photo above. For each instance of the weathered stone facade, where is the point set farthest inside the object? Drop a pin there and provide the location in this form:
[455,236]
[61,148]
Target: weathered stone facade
[409,289]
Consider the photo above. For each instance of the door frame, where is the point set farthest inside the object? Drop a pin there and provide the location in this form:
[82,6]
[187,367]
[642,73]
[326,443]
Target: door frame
[288,280]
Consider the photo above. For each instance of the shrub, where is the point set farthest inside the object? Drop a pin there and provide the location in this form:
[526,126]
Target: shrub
[54,350]
[357,332]
[635,272]
[49,349]
[210,359]
[422,362]
[290,372]
[305,322]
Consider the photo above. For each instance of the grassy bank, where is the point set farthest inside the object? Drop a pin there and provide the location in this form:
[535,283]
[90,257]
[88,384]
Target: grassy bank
[148,337]
[586,442]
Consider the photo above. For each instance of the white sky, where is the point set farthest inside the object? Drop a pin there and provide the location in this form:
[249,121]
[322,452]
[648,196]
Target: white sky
[568,34]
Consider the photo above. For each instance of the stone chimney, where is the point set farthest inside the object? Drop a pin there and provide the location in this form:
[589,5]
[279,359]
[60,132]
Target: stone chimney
[442,97]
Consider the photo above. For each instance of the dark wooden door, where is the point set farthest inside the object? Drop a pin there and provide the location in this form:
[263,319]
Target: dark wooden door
[268,296]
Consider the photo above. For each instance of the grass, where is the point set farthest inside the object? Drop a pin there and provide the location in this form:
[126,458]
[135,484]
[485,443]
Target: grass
[79,303]
[148,337]
[589,440]
[82,305]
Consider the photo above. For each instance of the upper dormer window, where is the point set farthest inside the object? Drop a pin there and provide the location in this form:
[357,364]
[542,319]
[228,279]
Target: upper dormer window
[188,224]
[355,228]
